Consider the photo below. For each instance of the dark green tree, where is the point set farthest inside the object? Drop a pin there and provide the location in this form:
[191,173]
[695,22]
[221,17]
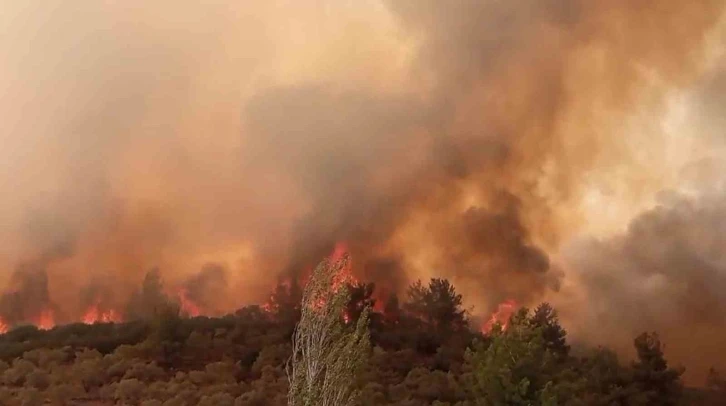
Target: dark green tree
[166,337]
[555,337]
[284,303]
[361,298]
[659,384]
[437,304]
[392,310]
[599,380]
[150,299]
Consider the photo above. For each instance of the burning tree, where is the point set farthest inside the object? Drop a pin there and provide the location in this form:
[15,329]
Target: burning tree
[514,367]
[327,353]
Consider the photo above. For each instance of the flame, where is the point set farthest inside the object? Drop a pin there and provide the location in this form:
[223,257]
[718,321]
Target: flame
[340,249]
[95,315]
[188,306]
[45,320]
[345,275]
[501,316]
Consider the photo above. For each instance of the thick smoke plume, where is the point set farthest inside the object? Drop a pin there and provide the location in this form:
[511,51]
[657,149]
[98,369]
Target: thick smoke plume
[666,273]
[467,140]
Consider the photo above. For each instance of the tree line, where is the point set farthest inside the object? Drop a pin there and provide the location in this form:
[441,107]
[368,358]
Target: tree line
[325,345]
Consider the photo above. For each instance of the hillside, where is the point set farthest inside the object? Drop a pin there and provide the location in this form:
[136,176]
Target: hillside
[419,357]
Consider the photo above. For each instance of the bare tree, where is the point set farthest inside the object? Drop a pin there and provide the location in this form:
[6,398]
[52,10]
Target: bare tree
[327,353]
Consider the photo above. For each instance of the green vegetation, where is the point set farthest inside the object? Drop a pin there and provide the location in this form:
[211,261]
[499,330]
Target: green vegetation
[419,351]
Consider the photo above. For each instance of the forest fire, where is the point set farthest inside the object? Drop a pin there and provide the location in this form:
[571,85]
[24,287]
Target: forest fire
[339,251]
[501,315]
[429,140]
[95,315]
[45,320]
[345,275]
[340,255]
[188,297]
[339,259]
[187,305]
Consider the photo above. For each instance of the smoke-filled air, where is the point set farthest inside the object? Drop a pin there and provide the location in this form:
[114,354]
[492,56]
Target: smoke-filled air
[572,151]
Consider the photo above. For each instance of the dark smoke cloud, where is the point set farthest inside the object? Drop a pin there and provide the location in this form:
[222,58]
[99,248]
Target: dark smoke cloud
[667,273]
[341,152]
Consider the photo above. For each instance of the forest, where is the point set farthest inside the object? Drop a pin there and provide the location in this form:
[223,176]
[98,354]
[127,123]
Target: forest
[420,349]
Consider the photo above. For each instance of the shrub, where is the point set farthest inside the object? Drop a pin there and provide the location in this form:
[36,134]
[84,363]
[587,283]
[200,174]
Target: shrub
[129,390]
[38,379]
[218,399]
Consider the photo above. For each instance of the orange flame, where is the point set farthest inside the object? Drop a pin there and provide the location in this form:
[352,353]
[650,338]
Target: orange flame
[341,248]
[45,320]
[3,326]
[502,315]
[187,305]
[95,315]
[344,276]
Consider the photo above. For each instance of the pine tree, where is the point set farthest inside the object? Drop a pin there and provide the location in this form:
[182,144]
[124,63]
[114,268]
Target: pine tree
[658,383]
[437,304]
[555,337]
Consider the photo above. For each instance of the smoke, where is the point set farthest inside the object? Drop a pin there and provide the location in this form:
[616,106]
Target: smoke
[469,140]
[204,288]
[27,295]
[667,273]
